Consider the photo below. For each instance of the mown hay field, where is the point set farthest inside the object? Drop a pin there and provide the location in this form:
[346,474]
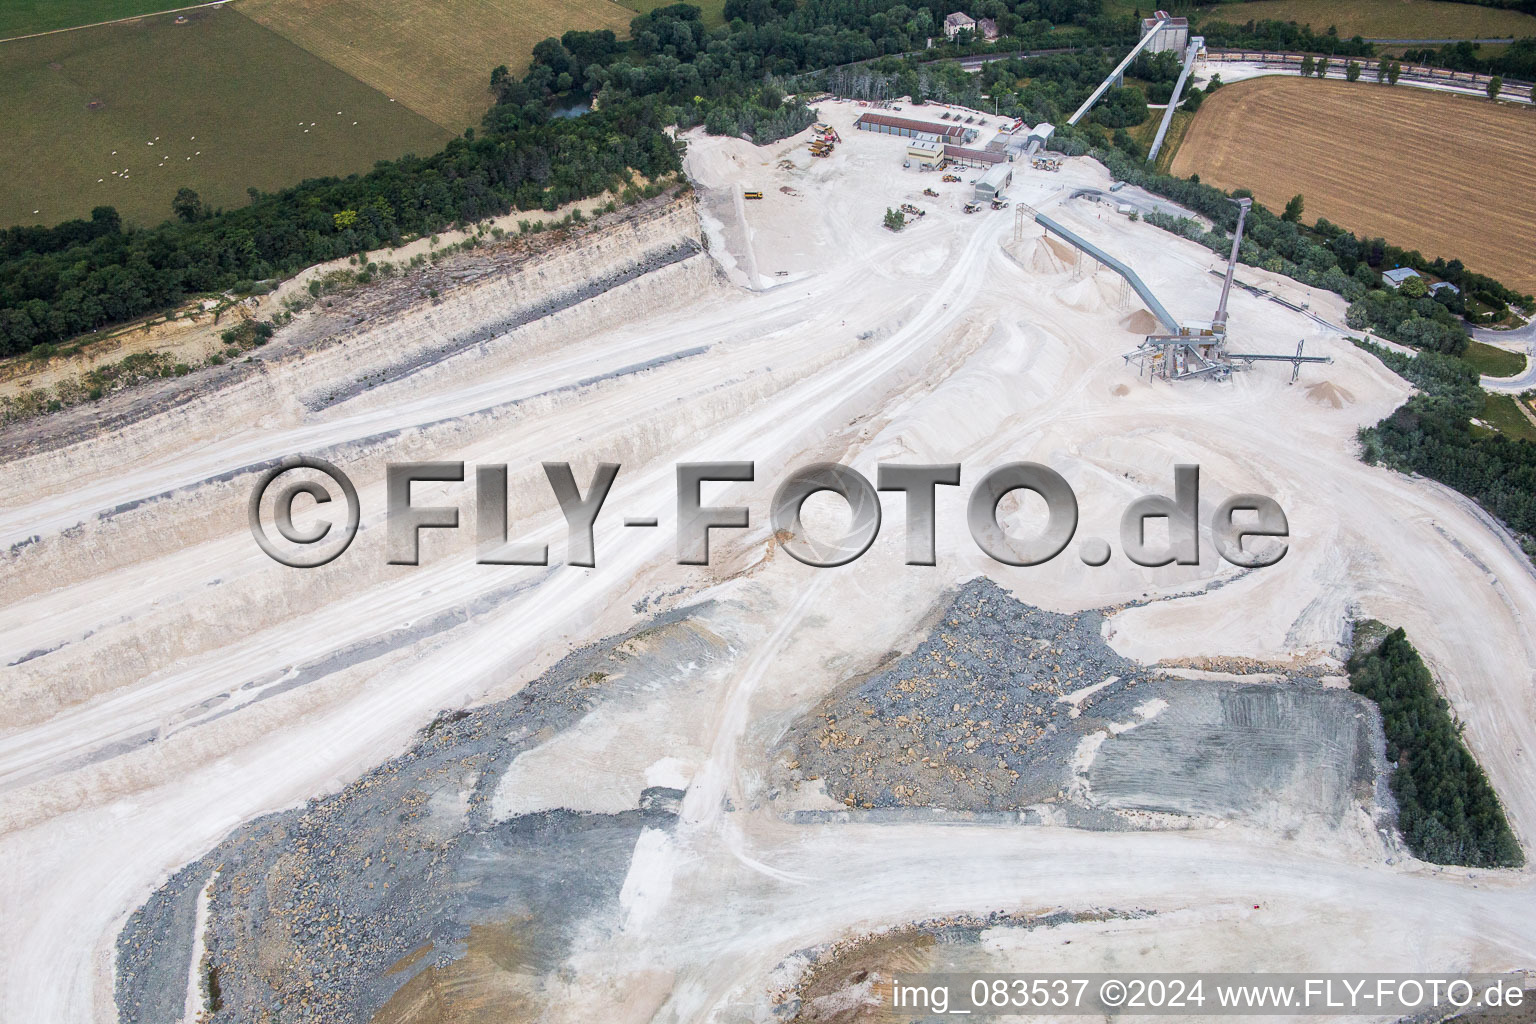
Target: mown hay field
[435,56]
[228,105]
[1383,19]
[1446,175]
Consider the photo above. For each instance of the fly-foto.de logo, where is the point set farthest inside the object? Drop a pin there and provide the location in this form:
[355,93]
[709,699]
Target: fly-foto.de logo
[1248,530]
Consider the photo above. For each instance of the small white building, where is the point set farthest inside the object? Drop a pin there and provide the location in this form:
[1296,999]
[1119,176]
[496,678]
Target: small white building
[954,23]
[1443,286]
[1395,278]
[927,154]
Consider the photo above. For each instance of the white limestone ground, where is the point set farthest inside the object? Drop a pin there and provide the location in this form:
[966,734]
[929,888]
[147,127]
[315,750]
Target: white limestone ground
[190,683]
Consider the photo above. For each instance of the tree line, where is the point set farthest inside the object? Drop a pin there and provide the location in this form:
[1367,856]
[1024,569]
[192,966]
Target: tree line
[1446,810]
[1432,434]
[1275,35]
[59,282]
[1325,256]
[1518,60]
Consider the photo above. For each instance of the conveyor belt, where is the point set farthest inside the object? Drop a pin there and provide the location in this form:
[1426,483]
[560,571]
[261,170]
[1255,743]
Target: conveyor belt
[1109,261]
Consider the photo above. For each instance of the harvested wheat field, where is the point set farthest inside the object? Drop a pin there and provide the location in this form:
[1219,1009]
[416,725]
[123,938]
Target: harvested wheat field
[1425,170]
[434,57]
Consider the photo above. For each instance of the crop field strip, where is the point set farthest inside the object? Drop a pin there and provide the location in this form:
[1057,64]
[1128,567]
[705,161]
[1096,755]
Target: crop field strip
[1383,19]
[26,17]
[229,106]
[434,57]
[1440,173]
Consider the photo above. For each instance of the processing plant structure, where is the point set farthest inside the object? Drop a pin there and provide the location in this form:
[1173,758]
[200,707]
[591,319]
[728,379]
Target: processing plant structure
[1191,348]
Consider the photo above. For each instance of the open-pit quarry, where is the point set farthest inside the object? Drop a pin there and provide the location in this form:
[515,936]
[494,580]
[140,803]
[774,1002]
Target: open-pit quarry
[234,791]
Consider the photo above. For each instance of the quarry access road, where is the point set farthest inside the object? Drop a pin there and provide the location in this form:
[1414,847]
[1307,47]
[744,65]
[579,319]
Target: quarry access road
[1521,339]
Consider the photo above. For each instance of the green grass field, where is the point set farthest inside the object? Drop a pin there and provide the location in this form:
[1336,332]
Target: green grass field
[1381,19]
[228,105]
[24,17]
[1501,413]
[1494,362]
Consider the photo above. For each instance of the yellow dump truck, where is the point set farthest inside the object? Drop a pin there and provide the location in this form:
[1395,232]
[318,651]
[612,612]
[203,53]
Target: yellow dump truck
[749,194]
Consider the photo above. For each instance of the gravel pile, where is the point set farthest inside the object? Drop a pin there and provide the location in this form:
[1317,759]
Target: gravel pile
[973,719]
[321,913]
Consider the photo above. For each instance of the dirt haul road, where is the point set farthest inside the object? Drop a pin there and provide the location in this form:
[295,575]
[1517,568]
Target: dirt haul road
[164,681]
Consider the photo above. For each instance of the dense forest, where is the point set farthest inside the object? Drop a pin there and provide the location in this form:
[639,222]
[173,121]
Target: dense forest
[1447,811]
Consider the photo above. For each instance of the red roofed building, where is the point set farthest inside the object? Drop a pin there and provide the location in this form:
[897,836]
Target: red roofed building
[888,125]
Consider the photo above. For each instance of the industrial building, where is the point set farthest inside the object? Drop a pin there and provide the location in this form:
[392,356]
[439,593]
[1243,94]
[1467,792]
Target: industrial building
[925,154]
[991,185]
[1168,33]
[953,134]
[974,157]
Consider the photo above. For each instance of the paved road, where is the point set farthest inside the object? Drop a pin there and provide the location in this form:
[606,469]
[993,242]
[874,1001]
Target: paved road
[1521,339]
